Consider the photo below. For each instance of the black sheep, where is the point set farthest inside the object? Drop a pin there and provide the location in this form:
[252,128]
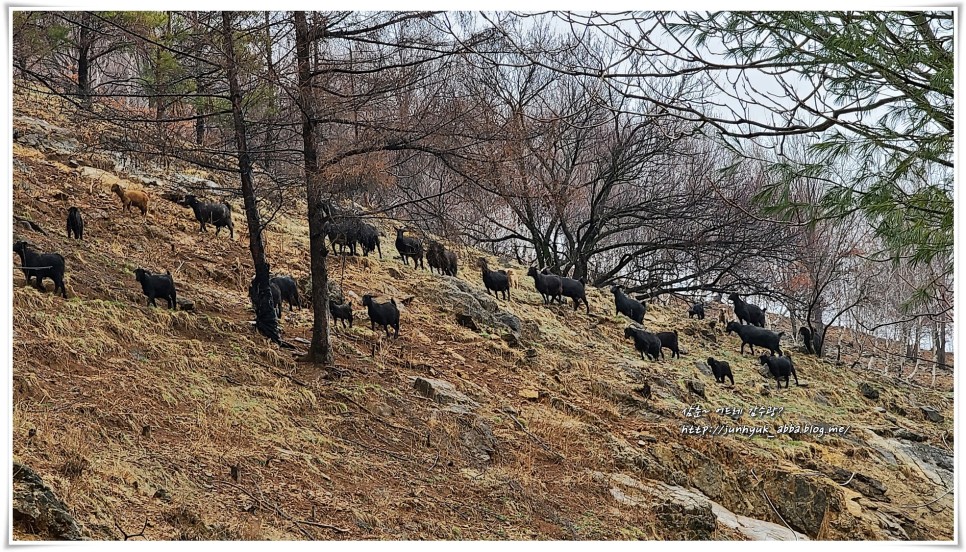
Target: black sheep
[669,340]
[697,310]
[441,259]
[807,336]
[746,312]
[779,367]
[369,239]
[752,336]
[721,370]
[634,310]
[276,292]
[75,223]
[496,281]
[644,341]
[157,285]
[218,214]
[384,314]
[40,266]
[409,247]
[574,289]
[549,285]
[344,232]
[341,312]
[288,291]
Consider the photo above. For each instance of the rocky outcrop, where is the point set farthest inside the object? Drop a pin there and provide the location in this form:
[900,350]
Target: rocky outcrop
[38,511]
[443,392]
[687,514]
[801,500]
[474,309]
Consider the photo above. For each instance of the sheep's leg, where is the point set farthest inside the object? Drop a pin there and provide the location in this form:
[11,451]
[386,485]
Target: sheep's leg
[796,378]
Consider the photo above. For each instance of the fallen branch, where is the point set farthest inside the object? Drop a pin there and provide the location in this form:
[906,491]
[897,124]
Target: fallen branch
[322,525]
[559,457]
[849,479]
[374,415]
[269,506]
[272,369]
[774,509]
[126,536]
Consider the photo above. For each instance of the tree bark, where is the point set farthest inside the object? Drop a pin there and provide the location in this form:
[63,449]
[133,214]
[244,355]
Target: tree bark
[83,60]
[266,322]
[320,350]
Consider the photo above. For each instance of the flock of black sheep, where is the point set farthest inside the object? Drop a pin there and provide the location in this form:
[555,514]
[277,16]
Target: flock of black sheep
[347,232]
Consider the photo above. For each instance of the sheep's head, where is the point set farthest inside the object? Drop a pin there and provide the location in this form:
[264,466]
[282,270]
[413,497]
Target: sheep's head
[20,247]
[615,289]
[763,360]
[732,327]
[532,272]
[734,298]
[367,300]
[140,274]
[629,332]
[190,200]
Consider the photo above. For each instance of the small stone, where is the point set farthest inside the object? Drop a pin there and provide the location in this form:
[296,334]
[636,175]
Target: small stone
[703,367]
[185,304]
[529,394]
[467,321]
[909,435]
[765,391]
[697,388]
[512,339]
[932,414]
[441,391]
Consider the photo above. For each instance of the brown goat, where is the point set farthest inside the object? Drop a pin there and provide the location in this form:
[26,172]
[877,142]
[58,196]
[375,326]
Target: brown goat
[512,278]
[132,197]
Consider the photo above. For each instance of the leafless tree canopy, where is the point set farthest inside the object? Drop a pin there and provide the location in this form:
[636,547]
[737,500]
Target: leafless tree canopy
[668,152]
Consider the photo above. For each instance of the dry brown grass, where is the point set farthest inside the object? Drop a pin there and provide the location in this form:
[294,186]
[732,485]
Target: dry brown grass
[140,413]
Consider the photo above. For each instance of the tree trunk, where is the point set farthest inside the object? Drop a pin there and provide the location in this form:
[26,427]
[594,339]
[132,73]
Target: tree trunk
[266,322]
[83,61]
[201,105]
[818,328]
[939,342]
[320,350]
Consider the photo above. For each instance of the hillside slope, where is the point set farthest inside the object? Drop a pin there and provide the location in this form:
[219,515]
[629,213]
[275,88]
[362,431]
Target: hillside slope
[192,426]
